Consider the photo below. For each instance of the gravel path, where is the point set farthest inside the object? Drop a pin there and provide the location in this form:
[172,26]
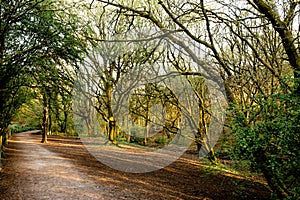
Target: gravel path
[63,169]
[37,173]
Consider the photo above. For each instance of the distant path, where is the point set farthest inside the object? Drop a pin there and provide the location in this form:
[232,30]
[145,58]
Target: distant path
[63,169]
[37,173]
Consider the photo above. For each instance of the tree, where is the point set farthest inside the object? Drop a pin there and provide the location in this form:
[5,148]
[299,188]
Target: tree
[104,67]
[245,40]
[143,111]
[134,16]
[109,58]
[45,31]
[283,22]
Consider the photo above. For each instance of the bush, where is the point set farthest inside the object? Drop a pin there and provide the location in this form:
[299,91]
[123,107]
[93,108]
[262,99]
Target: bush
[161,140]
[17,128]
[270,140]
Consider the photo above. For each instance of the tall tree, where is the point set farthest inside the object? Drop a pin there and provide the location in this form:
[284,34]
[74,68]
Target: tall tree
[102,71]
[45,32]
[245,40]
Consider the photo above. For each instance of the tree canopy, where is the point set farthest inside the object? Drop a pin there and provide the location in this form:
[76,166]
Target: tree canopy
[38,40]
[246,50]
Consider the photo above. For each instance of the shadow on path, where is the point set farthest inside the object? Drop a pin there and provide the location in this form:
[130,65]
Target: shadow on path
[63,169]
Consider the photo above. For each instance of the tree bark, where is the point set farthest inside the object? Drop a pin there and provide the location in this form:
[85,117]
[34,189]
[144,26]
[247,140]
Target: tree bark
[65,122]
[286,35]
[112,130]
[45,120]
[1,148]
[275,184]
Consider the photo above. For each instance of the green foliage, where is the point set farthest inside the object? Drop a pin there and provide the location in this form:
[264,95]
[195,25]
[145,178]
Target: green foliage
[137,134]
[29,114]
[47,43]
[271,141]
[162,140]
[17,128]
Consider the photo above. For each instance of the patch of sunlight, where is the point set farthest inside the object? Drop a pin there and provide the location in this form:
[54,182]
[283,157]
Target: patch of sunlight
[69,145]
[23,142]
[105,179]
[171,169]
[190,161]
[226,171]
[74,177]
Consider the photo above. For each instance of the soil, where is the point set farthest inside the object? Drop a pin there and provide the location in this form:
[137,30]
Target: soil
[64,169]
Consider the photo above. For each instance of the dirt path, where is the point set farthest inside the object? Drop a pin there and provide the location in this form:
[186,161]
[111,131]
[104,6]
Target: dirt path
[63,169]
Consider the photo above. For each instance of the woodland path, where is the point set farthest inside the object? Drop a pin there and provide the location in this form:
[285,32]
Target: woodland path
[63,169]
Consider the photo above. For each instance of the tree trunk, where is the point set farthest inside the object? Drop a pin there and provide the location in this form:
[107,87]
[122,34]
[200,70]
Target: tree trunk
[64,124]
[1,148]
[45,121]
[128,128]
[4,141]
[8,136]
[146,134]
[286,35]
[275,184]
[210,151]
[49,123]
[88,126]
[198,140]
[112,130]
[212,157]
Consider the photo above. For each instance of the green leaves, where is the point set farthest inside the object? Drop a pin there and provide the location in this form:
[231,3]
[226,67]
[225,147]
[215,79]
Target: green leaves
[272,141]
[37,38]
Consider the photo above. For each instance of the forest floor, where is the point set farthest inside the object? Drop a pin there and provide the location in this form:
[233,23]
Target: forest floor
[64,169]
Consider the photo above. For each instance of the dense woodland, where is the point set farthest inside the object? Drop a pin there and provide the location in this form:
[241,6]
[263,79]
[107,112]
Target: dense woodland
[56,52]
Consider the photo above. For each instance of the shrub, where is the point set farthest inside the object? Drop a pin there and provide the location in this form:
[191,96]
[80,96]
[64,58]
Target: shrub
[269,138]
